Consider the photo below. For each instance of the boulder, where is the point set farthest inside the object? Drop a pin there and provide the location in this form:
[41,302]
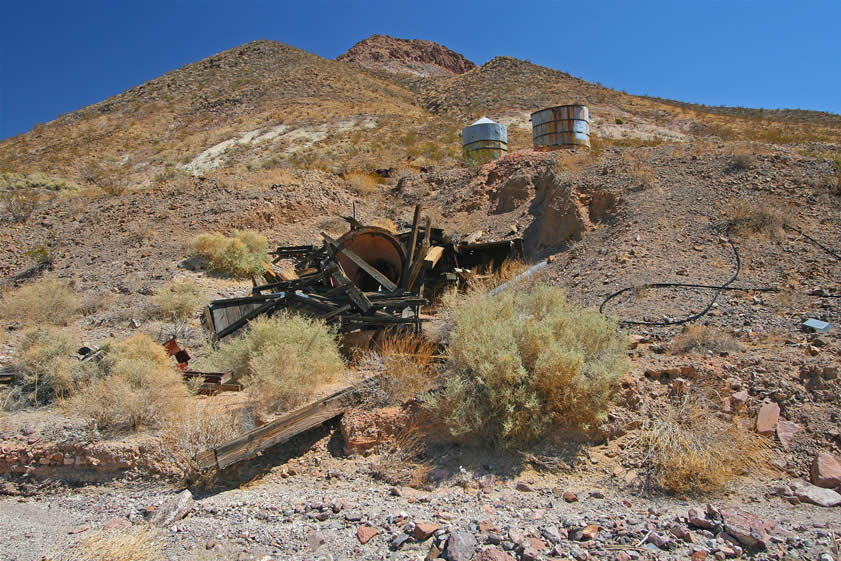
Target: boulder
[173,509]
[826,471]
[460,546]
[786,431]
[766,420]
[816,495]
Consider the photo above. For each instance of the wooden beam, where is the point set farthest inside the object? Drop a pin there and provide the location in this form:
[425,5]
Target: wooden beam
[384,281]
[416,266]
[356,296]
[433,256]
[413,241]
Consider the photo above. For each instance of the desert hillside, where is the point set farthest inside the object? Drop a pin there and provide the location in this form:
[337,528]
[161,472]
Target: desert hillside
[651,392]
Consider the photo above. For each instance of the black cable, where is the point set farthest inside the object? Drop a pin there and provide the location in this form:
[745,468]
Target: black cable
[813,240]
[718,289]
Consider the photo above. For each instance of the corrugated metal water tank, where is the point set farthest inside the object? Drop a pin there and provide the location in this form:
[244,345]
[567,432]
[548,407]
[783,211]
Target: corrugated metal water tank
[484,140]
[561,126]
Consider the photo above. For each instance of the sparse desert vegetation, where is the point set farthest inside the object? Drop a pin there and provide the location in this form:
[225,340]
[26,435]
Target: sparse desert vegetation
[45,301]
[523,361]
[179,299]
[239,255]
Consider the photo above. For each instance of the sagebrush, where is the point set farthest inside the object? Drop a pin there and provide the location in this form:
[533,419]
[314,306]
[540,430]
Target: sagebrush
[180,298]
[281,359]
[137,387]
[525,360]
[747,217]
[404,367]
[239,255]
[703,338]
[45,301]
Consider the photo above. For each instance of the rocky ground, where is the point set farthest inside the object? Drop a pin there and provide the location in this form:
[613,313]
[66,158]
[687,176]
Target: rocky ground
[635,216]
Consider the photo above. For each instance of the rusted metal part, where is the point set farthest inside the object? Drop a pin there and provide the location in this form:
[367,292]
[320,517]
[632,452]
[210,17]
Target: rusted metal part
[212,382]
[379,248]
[561,126]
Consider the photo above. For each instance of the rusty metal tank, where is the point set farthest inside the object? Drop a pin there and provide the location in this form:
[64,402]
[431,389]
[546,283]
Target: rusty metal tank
[564,126]
[484,140]
[379,248]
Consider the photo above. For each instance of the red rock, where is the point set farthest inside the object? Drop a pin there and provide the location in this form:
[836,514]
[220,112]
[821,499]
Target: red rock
[590,532]
[748,529]
[79,529]
[820,496]
[117,524]
[622,556]
[365,533]
[699,556]
[492,554]
[424,529]
[738,399]
[569,496]
[766,420]
[786,431]
[525,487]
[826,471]
[536,544]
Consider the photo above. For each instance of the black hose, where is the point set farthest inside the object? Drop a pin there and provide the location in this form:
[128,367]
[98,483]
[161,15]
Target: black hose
[813,240]
[718,291]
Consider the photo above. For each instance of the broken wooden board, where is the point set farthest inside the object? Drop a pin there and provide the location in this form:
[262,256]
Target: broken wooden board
[277,432]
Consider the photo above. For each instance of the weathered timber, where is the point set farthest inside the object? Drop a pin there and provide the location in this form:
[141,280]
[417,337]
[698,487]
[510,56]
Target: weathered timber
[277,432]
[413,241]
[433,256]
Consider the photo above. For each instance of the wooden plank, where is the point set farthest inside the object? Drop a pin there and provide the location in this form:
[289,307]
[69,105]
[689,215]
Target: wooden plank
[230,328]
[416,266]
[413,241]
[341,279]
[277,432]
[433,256]
[384,281]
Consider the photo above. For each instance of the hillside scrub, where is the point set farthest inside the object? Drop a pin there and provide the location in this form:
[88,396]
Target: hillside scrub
[688,449]
[138,386]
[281,359]
[46,301]
[525,360]
[240,255]
[48,368]
[179,298]
[748,217]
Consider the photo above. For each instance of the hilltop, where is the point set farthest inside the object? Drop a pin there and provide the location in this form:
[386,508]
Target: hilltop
[415,57]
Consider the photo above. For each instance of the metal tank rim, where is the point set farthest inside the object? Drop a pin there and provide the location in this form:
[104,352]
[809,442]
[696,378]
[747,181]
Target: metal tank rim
[533,113]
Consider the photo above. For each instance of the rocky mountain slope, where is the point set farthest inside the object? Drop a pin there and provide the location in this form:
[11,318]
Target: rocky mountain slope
[406,56]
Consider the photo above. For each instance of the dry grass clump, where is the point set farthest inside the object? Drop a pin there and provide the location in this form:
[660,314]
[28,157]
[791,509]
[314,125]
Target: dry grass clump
[240,255]
[48,300]
[281,359]
[20,203]
[363,183]
[179,298]
[404,363]
[137,388]
[524,360]
[689,450]
[643,176]
[743,160]
[199,425]
[746,217]
[137,543]
[703,338]
[402,461]
[48,367]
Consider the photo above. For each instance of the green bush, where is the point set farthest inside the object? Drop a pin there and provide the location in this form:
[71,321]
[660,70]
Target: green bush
[281,359]
[240,255]
[180,297]
[526,360]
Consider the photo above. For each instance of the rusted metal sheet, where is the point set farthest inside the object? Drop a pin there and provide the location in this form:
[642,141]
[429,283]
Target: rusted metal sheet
[376,246]
[561,126]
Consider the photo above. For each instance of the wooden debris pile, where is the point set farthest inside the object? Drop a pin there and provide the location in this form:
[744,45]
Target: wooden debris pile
[369,279]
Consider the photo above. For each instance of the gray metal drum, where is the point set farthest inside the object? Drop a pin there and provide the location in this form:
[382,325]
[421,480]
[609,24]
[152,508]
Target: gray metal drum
[561,126]
[484,140]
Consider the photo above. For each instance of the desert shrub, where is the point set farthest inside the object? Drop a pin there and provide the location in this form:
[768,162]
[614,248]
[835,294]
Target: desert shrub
[702,338]
[240,255]
[746,217]
[742,160]
[363,183]
[281,359]
[20,203]
[643,176]
[402,461]
[524,360]
[834,182]
[47,300]
[404,366]
[180,297]
[137,388]
[200,425]
[688,449]
[138,543]
[48,367]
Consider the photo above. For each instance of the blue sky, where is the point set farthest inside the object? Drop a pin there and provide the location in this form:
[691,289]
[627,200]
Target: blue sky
[59,56]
